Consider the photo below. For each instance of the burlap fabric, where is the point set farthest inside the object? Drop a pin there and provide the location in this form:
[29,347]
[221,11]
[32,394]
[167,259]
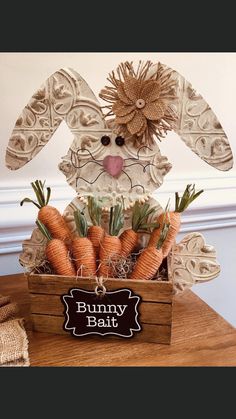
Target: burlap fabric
[13,338]
[141,101]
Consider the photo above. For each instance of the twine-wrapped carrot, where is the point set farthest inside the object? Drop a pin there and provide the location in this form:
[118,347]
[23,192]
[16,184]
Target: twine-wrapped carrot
[49,216]
[181,204]
[57,253]
[95,232]
[151,258]
[175,222]
[110,247]
[140,216]
[82,248]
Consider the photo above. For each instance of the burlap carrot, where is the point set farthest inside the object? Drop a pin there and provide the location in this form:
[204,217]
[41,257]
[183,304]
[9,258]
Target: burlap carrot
[49,216]
[140,223]
[82,248]
[181,204]
[95,232]
[151,258]
[110,247]
[57,253]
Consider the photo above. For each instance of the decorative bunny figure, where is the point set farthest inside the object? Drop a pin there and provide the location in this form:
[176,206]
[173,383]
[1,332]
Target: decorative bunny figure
[117,155]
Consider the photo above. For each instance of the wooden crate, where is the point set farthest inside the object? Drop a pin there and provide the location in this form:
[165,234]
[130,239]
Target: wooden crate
[155,309]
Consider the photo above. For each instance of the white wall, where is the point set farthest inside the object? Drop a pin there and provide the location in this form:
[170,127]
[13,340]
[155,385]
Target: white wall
[212,74]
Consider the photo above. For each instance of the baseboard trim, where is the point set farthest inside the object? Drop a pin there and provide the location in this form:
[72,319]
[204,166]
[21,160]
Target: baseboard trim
[10,250]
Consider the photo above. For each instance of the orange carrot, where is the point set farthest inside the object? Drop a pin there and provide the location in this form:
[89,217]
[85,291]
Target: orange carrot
[181,204]
[57,253]
[148,263]
[96,235]
[110,247]
[84,254]
[95,232]
[109,250]
[140,215]
[82,248]
[49,216]
[151,258]
[175,221]
[129,240]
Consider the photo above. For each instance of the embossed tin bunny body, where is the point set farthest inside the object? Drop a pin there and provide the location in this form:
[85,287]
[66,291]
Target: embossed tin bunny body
[113,158]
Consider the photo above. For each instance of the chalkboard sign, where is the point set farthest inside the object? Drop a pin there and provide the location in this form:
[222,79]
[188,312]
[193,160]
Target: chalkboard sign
[93,313]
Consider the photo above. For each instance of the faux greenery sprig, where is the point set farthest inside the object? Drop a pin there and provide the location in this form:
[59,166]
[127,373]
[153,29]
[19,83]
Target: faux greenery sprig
[81,223]
[141,214]
[42,196]
[116,221]
[189,196]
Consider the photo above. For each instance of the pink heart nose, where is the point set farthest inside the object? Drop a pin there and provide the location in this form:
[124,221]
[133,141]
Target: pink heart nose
[113,165]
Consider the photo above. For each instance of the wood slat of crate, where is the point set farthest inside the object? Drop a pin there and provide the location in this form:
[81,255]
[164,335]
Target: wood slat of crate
[155,309]
[52,305]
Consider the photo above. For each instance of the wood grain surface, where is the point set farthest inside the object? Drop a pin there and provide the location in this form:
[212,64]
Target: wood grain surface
[160,291]
[47,309]
[149,312]
[200,337]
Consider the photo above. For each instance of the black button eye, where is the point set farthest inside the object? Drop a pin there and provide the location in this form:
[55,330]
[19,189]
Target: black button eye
[120,141]
[105,140]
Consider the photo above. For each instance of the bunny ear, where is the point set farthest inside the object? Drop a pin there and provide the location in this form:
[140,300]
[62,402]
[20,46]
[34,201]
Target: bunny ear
[198,126]
[64,96]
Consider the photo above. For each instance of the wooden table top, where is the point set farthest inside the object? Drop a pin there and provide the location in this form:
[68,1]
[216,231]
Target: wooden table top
[200,337]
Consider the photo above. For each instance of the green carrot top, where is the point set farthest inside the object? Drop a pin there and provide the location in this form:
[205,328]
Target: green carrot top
[42,196]
[95,211]
[43,229]
[116,221]
[140,215]
[81,223]
[189,196]
[165,228]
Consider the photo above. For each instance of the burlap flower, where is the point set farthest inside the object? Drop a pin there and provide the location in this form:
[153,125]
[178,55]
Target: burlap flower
[141,102]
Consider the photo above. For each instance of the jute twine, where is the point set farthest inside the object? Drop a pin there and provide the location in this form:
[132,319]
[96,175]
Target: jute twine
[100,289]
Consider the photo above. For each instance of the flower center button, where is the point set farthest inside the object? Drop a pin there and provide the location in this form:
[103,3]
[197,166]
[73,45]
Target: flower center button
[140,103]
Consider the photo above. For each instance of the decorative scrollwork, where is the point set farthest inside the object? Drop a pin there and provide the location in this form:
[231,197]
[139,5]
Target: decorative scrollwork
[200,129]
[192,261]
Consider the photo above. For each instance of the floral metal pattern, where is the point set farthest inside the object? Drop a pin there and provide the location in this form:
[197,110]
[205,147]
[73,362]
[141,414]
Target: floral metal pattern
[192,261]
